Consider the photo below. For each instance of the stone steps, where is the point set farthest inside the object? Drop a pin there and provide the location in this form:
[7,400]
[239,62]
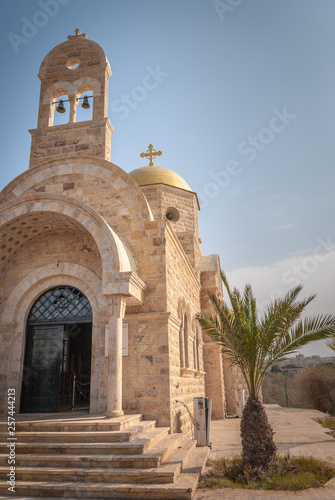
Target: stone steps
[182,489]
[77,468]
[97,436]
[137,446]
[154,458]
[183,486]
[134,459]
[69,422]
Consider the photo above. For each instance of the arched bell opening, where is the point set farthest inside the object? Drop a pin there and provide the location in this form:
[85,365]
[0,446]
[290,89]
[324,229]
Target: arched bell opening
[57,363]
[84,103]
[61,110]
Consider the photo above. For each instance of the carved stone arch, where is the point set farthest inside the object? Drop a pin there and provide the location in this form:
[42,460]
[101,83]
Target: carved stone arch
[181,307]
[118,271]
[88,83]
[41,279]
[58,89]
[19,303]
[99,169]
[63,48]
[50,96]
[84,85]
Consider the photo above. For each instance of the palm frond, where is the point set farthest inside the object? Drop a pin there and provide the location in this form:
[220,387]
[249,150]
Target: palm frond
[255,343]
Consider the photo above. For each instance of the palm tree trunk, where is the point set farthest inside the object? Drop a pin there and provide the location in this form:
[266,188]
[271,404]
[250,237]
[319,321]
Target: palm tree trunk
[258,447]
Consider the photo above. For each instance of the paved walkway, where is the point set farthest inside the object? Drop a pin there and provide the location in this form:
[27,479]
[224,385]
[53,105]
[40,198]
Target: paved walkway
[295,432]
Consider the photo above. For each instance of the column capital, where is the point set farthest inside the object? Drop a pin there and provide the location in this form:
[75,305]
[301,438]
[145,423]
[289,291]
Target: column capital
[117,305]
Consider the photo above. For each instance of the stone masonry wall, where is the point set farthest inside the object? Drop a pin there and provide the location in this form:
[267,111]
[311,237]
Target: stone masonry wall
[146,368]
[81,139]
[183,289]
[116,203]
[65,246]
[215,381]
[161,197]
[119,209]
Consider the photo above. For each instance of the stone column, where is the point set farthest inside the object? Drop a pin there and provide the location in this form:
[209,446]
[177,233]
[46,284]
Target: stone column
[73,108]
[117,307]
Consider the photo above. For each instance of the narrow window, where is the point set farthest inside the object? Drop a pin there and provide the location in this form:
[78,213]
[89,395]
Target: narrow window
[186,341]
[181,344]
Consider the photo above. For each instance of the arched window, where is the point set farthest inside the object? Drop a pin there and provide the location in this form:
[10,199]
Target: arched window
[61,304]
[181,343]
[196,350]
[186,342]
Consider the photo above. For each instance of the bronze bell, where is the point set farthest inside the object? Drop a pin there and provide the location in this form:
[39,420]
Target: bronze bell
[85,103]
[60,108]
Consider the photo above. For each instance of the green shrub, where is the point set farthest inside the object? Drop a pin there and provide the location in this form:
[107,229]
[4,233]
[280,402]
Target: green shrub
[287,473]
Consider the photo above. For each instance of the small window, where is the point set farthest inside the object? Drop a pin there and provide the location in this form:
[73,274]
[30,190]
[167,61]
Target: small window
[72,63]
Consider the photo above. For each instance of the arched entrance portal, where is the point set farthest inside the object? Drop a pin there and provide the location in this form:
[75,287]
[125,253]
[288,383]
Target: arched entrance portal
[58,346]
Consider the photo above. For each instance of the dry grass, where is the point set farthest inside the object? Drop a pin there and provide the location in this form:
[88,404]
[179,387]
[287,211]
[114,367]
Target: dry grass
[328,422]
[288,473]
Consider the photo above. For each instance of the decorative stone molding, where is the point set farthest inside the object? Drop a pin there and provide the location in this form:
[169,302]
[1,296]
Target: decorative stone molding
[185,371]
[128,284]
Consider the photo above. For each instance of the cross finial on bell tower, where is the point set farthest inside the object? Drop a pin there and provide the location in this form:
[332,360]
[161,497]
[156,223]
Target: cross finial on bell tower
[150,154]
[78,34]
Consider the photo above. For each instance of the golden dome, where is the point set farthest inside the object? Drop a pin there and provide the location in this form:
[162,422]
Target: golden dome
[158,175]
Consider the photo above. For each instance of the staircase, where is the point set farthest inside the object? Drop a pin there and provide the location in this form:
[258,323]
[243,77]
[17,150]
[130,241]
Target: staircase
[76,455]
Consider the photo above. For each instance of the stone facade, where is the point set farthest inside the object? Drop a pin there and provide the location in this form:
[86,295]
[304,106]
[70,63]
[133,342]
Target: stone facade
[75,219]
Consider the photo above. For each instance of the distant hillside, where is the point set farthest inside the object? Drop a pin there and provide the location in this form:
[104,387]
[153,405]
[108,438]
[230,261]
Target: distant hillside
[309,386]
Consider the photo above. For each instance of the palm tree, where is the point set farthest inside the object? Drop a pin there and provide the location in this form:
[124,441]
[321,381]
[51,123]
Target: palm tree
[331,344]
[254,343]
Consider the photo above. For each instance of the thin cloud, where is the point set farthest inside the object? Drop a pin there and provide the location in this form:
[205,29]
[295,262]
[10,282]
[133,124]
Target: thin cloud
[286,227]
[314,271]
[270,198]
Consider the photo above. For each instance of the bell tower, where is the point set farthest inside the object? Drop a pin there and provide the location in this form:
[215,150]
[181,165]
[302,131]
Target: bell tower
[73,68]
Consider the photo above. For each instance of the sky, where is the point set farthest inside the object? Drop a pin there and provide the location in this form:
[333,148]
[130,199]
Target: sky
[239,95]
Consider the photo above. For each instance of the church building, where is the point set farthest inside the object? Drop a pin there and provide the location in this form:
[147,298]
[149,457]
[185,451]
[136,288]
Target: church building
[102,272]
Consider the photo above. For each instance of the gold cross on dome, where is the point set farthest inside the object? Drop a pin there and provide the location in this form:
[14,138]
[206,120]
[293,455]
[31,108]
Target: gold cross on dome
[151,153]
